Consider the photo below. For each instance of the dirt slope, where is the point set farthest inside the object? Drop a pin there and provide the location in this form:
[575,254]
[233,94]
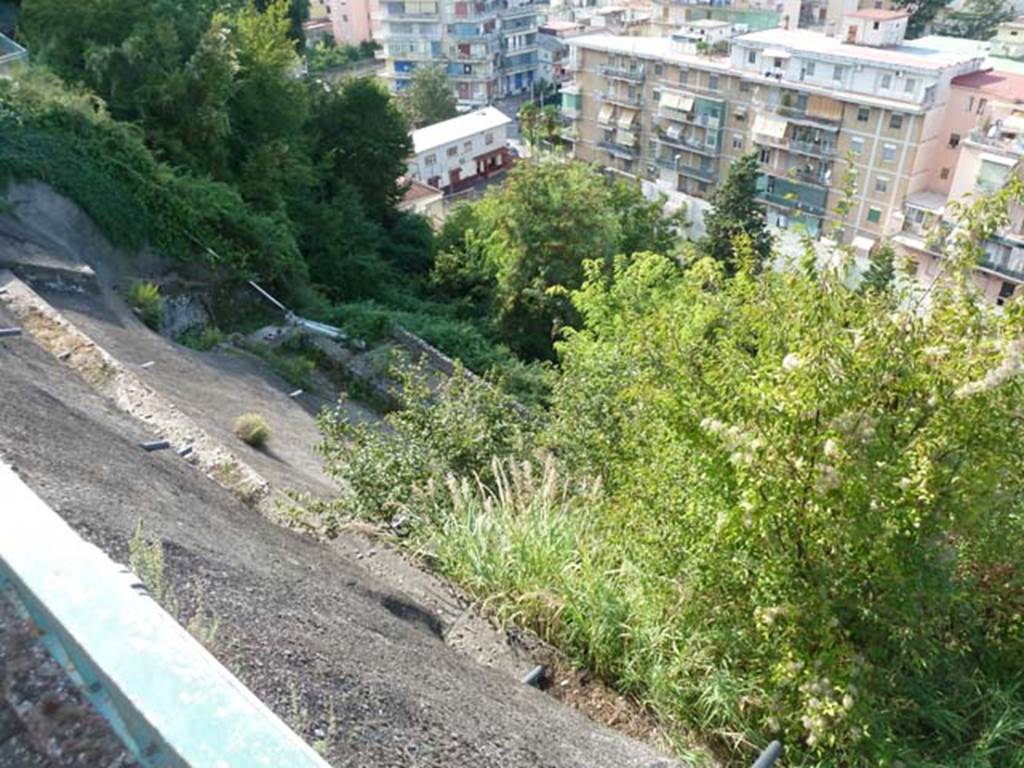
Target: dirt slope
[306,626]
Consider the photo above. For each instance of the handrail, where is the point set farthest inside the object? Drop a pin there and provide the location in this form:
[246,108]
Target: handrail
[165,696]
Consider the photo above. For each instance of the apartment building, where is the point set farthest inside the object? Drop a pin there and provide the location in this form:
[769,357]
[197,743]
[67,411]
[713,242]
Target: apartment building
[1009,40]
[982,143]
[347,22]
[809,105]
[487,47]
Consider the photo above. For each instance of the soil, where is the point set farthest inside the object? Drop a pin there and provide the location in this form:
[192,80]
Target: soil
[349,642]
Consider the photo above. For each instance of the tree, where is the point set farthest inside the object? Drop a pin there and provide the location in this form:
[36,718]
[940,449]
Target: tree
[922,14]
[978,19]
[430,97]
[346,152]
[881,272]
[734,213]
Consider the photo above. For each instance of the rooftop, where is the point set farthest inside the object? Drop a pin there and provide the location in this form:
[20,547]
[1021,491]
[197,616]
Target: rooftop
[922,55]
[458,128]
[878,14]
[655,48]
[708,24]
[418,191]
[1003,85]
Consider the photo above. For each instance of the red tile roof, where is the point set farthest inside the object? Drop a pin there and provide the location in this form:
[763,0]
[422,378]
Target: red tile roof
[1002,85]
[418,190]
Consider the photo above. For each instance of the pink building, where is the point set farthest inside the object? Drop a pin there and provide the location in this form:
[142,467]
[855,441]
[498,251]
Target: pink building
[348,21]
[980,143]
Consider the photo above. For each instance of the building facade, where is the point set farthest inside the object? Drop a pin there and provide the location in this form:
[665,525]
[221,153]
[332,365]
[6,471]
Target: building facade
[487,47]
[348,22]
[458,153]
[812,107]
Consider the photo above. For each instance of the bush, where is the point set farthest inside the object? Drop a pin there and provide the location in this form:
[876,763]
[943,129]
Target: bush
[252,429]
[145,298]
[202,339]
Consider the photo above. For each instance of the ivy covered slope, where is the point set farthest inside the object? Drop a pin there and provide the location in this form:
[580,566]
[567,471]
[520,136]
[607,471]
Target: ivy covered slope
[66,138]
[769,505]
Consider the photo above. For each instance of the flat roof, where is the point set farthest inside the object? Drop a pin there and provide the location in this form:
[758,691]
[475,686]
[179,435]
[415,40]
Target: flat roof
[659,48]
[708,24]
[1004,85]
[879,14]
[919,56]
[418,191]
[458,128]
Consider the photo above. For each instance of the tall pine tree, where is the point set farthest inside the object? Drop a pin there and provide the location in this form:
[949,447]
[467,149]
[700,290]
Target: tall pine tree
[734,212]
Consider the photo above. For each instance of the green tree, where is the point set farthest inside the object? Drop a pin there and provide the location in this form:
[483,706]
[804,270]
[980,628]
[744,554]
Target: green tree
[736,213]
[371,161]
[978,19]
[922,14]
[430,97]
[881,272]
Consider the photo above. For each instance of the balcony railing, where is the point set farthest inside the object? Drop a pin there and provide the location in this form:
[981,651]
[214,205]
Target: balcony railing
[693,145]
[704,174]
[623,150]
[621,98]
[816,148]
[1008,262]
[791,200]
[621,73]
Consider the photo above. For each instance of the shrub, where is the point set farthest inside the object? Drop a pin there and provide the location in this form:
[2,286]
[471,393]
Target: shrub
[146,299]
[252,429]
[202,339]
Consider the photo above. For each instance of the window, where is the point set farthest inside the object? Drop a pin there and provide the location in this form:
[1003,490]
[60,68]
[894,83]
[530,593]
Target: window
[970,104]
[467,146]
[881,184]
[982,103]
[874,215]
[488,138]
[954,140]
[910,85]
[888,153]
[430,160]
[809,69]
[1006,291]
[659,70]
[745,87]
[857,145]
[886,83]
[895,122]
[453,151]
[766,155]
[657,96]
[944,174]
[876,25]
[751,57]
[837,73]
[737,141]
[713,82]
[684,75]
[863,115]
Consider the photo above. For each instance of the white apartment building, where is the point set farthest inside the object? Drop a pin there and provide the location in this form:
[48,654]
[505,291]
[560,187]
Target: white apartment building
[457,153]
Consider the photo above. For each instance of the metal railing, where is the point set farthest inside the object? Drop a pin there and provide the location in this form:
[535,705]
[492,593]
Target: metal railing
[166,697]
[637,75]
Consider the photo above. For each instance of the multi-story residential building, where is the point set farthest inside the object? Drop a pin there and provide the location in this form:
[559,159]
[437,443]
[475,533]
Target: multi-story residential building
[809,105]
[346,21]
[751,15]
[1009,40]
[457,153]
[487,47]
[553,50]
[981,144]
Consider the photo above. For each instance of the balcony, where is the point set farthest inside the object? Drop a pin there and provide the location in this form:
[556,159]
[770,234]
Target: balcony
[619,150]
[688,143]
[396,12]
[474,11]
[622,99]
[821,177]
[636,75]
[703,174]
[1003,261]
[812,148]
[785,193]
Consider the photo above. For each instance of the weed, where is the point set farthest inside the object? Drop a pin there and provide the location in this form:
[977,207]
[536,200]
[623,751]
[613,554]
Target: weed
[145,298]
[202,339]
[252,429]
[293,366]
